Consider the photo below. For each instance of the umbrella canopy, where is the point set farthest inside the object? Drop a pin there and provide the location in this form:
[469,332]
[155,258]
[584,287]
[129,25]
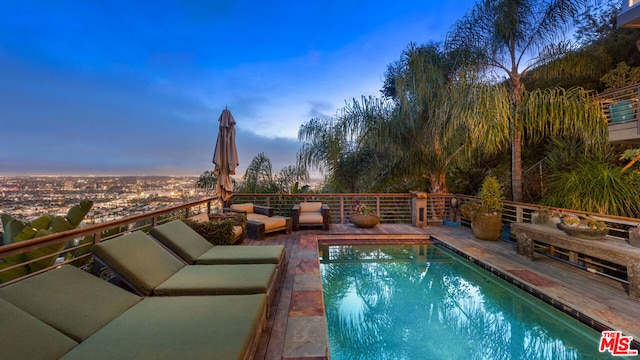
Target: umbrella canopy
[225,155]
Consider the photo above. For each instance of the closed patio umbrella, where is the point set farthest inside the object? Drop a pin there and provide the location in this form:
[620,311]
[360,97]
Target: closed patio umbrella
[225,155]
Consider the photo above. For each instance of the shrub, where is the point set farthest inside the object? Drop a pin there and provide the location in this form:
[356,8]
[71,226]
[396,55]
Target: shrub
[216,232]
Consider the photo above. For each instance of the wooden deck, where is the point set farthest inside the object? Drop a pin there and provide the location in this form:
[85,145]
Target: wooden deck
[297,328]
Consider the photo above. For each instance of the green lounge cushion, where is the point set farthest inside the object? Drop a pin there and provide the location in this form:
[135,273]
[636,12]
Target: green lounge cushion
[198,327]
[139,259]
[69,299]
[268,254]
[25,337]
[218,280]
[181,239]
[153,270]
[193,248]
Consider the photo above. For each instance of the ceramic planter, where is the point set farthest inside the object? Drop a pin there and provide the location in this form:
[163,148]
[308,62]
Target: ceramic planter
[487,226]
[364,221]
[584,233]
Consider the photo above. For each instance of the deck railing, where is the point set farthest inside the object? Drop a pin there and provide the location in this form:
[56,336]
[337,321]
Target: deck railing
[392,208]
[621,105]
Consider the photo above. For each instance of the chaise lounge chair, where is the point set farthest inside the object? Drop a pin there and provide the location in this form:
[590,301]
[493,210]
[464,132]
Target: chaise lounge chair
[310,214]
[149,269]
[188,245]
[68,313]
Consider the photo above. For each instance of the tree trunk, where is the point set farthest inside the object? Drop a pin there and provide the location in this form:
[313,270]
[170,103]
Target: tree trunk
[516,167]
[438,182]
[516,145]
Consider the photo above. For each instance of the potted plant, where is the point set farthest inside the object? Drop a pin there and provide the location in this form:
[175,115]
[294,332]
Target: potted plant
[546,217]
[634,236]
[584,228]
[486,215]
[364,217]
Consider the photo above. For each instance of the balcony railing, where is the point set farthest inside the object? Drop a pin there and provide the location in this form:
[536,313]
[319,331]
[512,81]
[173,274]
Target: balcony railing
[621,109]
[392,208]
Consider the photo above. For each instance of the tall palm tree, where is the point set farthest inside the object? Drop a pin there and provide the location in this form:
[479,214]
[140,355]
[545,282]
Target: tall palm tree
[512,37]
[432,93]
[340,147]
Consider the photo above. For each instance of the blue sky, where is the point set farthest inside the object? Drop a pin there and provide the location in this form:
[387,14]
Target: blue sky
[136,87]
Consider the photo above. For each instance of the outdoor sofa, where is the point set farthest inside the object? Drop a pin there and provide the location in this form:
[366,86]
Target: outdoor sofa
[261,220]
[70,314]
[191,247]
[312,213]
[150,270]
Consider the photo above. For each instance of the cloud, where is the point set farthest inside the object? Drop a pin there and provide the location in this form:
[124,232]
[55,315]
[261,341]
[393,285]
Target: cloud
[82,93]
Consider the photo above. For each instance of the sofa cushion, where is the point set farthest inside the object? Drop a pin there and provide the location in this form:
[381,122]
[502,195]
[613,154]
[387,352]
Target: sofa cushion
[257,217]
[310,218]
[237,231]
[310,207]
[194,327]
[274,222]
[139,259]
[25,337]
[69,299]
[218,280]
[248,207]
[181,239]
[268,254]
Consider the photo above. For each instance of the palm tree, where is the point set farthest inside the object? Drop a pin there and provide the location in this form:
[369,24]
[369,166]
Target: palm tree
[340,147]
[513,37]
[259,176]
[431,92]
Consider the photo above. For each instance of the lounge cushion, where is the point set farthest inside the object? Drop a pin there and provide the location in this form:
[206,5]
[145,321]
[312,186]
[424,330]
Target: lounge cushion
[25,337]
[181,239]
[248,207]
[310,207]
[237,231]
[257,217]
[274,222]
[71,300]
[199,327]
[139,259]
[268,254]
[218,280]
[310,218]
[195,249]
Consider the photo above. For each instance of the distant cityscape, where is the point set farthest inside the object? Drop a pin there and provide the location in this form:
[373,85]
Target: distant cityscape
[114,197]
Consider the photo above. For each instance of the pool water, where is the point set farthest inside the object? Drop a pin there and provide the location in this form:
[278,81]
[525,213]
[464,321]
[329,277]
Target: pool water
[424,302]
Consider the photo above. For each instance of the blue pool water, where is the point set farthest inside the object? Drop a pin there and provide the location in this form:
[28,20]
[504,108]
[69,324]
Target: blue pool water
[423,302]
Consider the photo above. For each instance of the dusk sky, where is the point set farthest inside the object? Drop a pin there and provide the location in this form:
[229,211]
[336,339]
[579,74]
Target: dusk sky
[136,87]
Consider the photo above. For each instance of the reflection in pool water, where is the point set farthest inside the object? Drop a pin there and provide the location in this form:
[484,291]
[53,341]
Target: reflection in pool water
[422,302]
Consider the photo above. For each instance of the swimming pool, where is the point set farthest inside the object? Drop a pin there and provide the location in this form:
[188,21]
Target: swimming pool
[424,302]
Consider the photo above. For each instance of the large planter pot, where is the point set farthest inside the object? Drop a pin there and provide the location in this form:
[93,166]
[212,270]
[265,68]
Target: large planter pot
[487,226]
[364,221]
